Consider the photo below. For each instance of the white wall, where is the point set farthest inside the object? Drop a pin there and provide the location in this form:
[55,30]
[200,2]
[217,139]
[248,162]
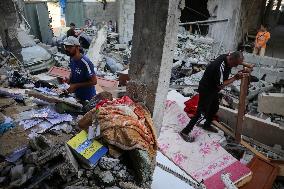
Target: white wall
[225,32]
[126,20]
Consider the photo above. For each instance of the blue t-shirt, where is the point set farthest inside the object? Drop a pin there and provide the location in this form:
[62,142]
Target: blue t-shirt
[81,71]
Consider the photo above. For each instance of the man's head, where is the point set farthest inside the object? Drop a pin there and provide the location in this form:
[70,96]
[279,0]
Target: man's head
[235,58]
[110,22]
[72,46]
[263,27]
[72,26]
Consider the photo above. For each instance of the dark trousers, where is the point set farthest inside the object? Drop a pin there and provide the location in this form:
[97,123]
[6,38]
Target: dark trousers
[208,106]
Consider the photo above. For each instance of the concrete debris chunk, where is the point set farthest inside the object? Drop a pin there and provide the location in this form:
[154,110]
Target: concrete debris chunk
[108,163]
[271,103]
[107,178]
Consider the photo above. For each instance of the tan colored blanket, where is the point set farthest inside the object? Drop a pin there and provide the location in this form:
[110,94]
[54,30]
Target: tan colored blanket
[125,126]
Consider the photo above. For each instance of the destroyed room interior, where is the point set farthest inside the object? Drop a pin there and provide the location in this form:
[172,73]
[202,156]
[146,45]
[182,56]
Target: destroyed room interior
[142,94]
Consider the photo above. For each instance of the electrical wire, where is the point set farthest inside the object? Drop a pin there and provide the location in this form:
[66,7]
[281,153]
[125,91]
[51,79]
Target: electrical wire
[197,12]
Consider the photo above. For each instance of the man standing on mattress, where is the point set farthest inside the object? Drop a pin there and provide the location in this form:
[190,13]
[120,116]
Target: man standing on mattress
[215,78]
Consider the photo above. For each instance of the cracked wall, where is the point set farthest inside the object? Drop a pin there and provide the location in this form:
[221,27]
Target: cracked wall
[9,23]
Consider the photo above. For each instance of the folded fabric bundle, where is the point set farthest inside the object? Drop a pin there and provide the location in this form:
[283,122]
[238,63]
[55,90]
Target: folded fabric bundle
[125,125]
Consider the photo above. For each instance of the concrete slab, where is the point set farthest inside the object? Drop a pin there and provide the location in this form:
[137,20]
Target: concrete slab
[258,129]
[271,103]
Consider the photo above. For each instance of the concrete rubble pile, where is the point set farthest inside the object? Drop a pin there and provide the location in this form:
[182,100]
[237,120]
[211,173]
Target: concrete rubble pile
[107,55]
[192,54]
[267,77]
[43,163]
[34,153]
[37,119]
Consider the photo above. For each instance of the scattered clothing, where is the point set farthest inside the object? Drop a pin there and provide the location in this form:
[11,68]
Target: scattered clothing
[47,116]
[17,79]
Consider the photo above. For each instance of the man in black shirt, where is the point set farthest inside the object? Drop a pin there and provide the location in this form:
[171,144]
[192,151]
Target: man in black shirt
[215,78]
[71,31]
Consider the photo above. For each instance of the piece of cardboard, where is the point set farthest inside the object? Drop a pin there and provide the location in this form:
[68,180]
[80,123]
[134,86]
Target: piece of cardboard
[88,151]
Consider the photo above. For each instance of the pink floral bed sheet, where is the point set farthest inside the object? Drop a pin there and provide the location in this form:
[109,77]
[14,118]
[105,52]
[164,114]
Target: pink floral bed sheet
[203,159]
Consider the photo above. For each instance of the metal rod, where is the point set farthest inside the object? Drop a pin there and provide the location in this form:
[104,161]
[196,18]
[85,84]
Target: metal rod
[204,22]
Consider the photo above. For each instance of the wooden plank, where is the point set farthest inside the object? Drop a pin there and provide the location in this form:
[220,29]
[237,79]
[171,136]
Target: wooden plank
[52,99]
[242,108]
[268,148]
[223,128]
[264,174]
[253,150]
[280,164]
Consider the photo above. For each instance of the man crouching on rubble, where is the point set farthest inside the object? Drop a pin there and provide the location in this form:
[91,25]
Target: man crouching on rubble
[82,79]
[215,78]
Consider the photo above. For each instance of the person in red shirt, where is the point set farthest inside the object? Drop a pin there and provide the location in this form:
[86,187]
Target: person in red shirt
[260,41]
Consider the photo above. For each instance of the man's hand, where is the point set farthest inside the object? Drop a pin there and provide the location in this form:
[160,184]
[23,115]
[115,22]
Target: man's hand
[72,88]
[239,75]
[65,80]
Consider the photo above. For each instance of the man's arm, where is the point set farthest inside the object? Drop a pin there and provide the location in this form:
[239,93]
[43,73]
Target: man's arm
[91,82]
[247,65]
[227,82]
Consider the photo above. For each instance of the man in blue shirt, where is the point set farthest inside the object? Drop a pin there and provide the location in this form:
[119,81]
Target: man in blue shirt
[83,78]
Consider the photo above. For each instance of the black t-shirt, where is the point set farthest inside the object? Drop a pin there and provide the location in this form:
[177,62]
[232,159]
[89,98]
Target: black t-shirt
[71,32]
[215,74]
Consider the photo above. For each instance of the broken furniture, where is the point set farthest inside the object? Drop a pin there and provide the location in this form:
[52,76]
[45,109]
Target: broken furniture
[263,174]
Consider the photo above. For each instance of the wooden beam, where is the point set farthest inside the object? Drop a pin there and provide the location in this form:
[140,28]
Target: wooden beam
[226,130]
[253,150]
[280,164]
[242,108]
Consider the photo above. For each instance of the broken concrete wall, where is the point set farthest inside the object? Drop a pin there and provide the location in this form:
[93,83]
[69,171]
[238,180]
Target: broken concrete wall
[225,32]
[260,130]
[95,11]
[126,20]
[272,67]
[271,103]
[9,22]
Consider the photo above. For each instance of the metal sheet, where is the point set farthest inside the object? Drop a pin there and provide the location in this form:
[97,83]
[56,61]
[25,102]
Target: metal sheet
[31,16]
[44,23]
[37,15]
